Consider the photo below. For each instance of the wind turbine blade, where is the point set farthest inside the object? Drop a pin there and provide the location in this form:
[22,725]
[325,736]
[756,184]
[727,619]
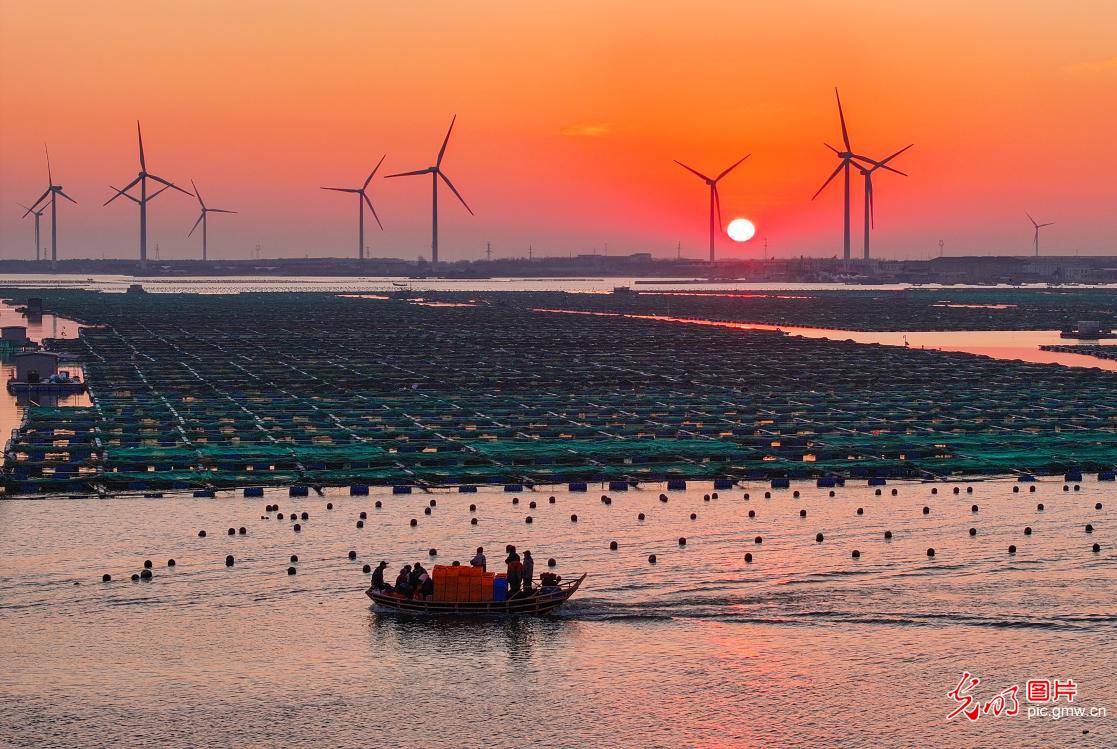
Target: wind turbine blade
[885,161]
[123,191]
[340,189]
[170,185]
[842,117]
[1049,223]
[455,191]
[442,151]
[36,203]
[140,136]
[373,172]
[50,179]
[369,204]
[195,226]
[890,169]
[21,205]
[1030,218]
[198,195]
[832,148]
[727,171]
[219,210]
[841,165]
[717,204]
[67,197]
[872,202]
[156,193]
[692,171]
[428,170]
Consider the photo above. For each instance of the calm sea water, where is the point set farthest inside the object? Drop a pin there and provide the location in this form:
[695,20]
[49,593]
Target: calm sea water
[804,646]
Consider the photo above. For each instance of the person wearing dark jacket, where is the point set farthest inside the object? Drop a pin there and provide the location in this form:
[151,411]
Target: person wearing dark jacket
[378,577]
[528,571]
[515,572]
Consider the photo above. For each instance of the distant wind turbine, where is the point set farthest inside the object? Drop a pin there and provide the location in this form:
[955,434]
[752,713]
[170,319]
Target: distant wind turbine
[436,172]
[362,200]
[847,157]
[1037,228]
[37,214]
[52,191]
[202,219]
[715,200]
[144,198]
[867,173]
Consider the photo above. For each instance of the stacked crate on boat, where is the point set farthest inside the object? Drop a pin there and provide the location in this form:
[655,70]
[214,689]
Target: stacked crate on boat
[446,582]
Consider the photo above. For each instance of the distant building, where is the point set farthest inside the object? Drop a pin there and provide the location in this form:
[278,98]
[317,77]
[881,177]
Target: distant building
[14,333]
[35,366]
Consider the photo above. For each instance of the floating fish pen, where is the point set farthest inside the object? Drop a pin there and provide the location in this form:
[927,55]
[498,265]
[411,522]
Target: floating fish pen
[940,309]
[204,392]
[1098,351]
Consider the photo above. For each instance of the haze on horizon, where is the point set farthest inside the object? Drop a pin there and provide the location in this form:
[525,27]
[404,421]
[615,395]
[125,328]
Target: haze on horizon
[569,117]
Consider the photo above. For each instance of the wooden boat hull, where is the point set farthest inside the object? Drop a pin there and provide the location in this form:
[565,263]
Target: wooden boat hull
[539,604]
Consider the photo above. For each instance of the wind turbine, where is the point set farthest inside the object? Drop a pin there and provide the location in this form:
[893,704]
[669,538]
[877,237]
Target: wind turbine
[715,201]
[847,157]
[362,200]
[37,214]
[436,172]
[202,219]
[867,173]
[142,201]
[1037,228]
[52,191]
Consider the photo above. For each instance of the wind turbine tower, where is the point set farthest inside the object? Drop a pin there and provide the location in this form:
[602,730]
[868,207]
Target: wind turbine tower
[37,214]
[362,201]
[1037,227]
[867,173]
[144,198]
[52,192]
[715,199]
[202,220]
[847,157]
[436,173]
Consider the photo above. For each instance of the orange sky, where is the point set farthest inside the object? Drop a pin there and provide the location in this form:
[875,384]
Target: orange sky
[568,117]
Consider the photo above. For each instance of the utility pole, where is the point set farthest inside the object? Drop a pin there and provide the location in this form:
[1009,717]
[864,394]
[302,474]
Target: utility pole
[530,253]
[488,252]
[679,250]
[941,243]
[765,249]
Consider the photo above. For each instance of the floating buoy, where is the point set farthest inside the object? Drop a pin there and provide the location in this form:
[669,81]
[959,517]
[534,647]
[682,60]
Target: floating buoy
[105,578]
[516,500]
[360,524]
[242,530]
[1097,547]
[973,531]
[860,510]
[573,518]
[1027,530]
[432,552]
[973,508]
[682,540]
[767,495]
[201,534]
[473,508]
[305,515]
[329,505]
[551,499]
[802,513]
[1089,528]
[170,563]
[279,516]
[956,490]
[1012,548]
[366,569]
[748,557]
[705,497]
[612,546]
[1097,506]
[229,561]
[895,492]
[832,493]
[551,562]
[147,564]
[232,531]
[969,490]
[608,500]
[378,504]
[473,521]
[1039,507]
[293,517]
[662,498]
[294,557]
[746,496]
[414,522]
[758,540]
[145,575]
[531,504]
[297,527]
[795,494]
[693,516]
[352,554]
[926,510]
[1077,487]
[856,554]
[935,490]
[135,577]
[640,516]
[818,537]
[930,552]
[1016,490]
[426,511]
[528,520]
[434,503]
[651,558]
[752,513]
[290,570]
[1031,489]
[714,495]
[876,492]
[1066,488]
[887,535]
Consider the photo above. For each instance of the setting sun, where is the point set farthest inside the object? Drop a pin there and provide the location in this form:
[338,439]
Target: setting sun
[741,230]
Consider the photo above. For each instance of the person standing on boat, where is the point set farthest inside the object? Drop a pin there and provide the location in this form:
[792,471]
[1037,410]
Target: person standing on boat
[403,586]
[515,572]
[479,559]
[378,577]
[529,571]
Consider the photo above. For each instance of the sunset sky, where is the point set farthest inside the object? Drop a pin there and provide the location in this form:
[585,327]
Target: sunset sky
[569,116]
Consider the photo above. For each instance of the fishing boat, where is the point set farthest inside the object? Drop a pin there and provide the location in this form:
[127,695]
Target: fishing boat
[540,603]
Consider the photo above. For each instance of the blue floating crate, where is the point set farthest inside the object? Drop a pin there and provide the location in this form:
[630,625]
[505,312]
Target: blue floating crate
[401,490]
[1107,476]
[826,482]
[298,491]
[513,487]
[207,493]
[724,483]
[1074,476]
[467,489]
[877,481]
[676,485]
[618,486]
[578,486]
[358,490]
[781,483]
[253,491]
[1025,477]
